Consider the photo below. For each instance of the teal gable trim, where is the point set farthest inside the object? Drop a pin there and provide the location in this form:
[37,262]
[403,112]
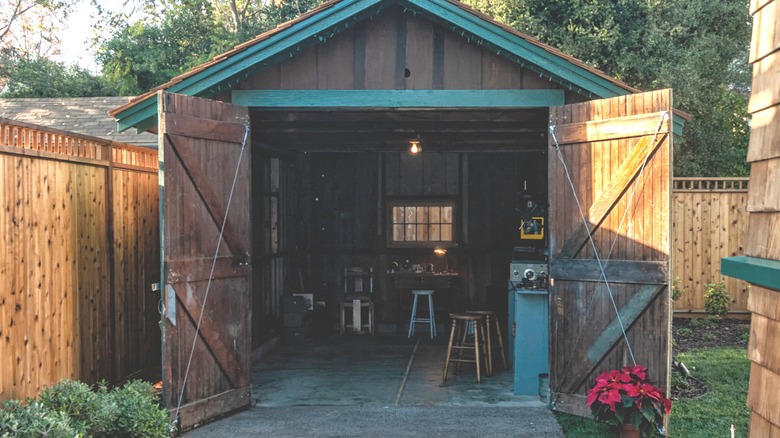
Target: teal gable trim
[398,98]
[285,44]
[330,21]
[678,124]
[761,272]
[514,47]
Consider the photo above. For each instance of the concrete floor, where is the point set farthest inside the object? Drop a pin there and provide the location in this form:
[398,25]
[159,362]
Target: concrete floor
[345,386]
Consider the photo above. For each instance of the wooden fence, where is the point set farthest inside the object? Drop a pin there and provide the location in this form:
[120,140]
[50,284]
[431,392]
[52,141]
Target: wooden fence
[709,222]
[79,249]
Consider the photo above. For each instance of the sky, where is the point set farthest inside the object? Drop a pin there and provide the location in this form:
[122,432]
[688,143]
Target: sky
[75,37]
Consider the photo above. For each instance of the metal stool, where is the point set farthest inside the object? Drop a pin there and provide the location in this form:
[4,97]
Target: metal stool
[431,319]
[460,328]
[487,315]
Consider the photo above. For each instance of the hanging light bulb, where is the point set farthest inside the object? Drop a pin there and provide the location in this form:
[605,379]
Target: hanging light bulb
[414,147]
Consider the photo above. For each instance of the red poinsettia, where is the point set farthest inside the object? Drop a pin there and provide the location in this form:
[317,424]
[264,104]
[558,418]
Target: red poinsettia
[625,396]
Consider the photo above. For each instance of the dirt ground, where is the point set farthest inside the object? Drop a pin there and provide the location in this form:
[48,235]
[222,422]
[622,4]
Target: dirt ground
[689,334]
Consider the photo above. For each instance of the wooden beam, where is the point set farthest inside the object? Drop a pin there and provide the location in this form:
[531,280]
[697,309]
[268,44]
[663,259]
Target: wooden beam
[612,129]
[762,272]
[611,194]
[395,116]
[628,315]
[617,271]
[210,200]
[211,333]
[398,98]
[191,270]
[192,414]
[198,127]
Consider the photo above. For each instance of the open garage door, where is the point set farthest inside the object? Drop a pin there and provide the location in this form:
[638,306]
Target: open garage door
[205,224]
[612,158]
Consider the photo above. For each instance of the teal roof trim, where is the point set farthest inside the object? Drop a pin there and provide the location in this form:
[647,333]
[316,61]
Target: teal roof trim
[513,47]
[329,21]
[284,44]
[762,272]
[398,98]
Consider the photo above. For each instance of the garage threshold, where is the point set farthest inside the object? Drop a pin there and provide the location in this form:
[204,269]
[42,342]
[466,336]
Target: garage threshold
[349,385]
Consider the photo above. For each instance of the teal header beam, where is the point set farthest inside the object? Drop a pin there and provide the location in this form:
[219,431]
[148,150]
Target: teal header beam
[761,272]
[398,98]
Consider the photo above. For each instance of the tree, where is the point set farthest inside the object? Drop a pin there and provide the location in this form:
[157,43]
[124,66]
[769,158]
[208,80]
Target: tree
[176,35]
[696,47]
[28,26]
[42,77]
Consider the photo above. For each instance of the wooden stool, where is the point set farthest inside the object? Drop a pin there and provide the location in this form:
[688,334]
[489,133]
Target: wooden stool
[460,328]
[431,319]
[487,316]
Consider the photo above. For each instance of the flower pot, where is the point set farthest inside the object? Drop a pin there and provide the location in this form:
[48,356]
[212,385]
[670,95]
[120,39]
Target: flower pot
[629,431]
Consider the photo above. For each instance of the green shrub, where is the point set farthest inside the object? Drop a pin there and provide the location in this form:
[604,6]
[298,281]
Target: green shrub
[716,299]
[745,336]
[139,413]
[73,399]
[34,420]
[700,322]
[684,331]
[676,290]
[72,409]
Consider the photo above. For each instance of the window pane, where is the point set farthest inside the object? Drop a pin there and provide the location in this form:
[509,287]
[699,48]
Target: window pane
[422,215]
[422,233]
[435,215]
[435,232]
[446,233]
[411,233]
[419,222]
[398,215]
[398,233]
[411,215]
[446,215]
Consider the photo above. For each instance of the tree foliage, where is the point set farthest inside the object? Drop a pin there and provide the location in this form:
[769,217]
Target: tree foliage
[697,47]
[176,35]
[42,77]
[28,27]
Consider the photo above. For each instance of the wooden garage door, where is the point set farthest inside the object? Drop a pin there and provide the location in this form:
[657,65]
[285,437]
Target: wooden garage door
[206,273]
[617,152]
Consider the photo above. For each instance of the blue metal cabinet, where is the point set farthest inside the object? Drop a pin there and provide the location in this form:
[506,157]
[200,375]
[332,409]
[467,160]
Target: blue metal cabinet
[529,323]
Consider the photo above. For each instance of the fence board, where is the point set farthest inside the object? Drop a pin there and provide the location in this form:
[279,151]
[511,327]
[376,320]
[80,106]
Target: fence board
[709,222]
[61,201]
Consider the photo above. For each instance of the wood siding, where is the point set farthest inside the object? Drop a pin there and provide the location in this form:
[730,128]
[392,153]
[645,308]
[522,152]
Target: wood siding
[399,51]
[764,210]
[80,250]
[709,222]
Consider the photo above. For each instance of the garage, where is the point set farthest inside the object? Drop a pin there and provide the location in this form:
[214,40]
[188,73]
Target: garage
[434,148]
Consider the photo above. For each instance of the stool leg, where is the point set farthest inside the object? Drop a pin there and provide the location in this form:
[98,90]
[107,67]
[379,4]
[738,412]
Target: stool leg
[371,317]
[477,329]
[414,315]
[449,350]
[431,319]
[464,328]
[343,327]
[487,339]
[500,343]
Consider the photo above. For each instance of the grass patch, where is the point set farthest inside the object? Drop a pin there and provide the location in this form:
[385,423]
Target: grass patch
[725,370]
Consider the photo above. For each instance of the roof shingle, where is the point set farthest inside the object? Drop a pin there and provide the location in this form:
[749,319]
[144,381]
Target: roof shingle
[83,115]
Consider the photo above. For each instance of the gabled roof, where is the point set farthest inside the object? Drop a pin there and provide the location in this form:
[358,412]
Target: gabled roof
[333,16]
[82,115]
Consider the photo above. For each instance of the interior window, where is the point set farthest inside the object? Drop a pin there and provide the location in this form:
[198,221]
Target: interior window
[421,223]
